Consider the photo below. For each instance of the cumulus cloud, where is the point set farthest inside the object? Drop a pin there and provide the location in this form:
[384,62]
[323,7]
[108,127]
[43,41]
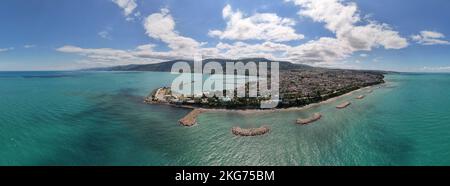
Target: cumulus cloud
[128,6]
[345,21]
[243,50]
[353,33]
[325,49]
[430,38]
[336,15]
[260,26]
[161,26]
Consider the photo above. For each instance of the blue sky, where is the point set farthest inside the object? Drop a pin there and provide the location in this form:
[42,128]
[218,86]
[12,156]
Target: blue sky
[403,35]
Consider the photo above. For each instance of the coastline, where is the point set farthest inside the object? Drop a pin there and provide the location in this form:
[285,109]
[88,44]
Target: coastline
[191,118]
[290,109]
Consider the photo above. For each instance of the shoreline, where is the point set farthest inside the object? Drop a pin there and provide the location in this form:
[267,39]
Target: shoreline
[191,118]
[291,109]
[369,90]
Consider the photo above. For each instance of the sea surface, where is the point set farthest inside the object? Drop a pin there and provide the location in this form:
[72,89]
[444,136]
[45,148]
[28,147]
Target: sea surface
[99,118]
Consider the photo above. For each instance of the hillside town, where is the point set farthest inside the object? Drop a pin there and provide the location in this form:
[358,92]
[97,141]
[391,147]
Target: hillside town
[298,87]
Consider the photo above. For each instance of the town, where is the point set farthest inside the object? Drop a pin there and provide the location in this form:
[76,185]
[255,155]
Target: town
[297,87]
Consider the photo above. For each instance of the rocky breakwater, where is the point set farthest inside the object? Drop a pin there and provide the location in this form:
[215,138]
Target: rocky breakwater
[313,118]
[343,105]
[191,118]
[238,131]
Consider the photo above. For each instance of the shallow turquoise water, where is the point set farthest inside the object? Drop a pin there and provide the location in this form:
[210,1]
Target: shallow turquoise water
[98,118]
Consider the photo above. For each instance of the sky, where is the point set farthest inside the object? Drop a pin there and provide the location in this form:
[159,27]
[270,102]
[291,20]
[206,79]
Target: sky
[399,35]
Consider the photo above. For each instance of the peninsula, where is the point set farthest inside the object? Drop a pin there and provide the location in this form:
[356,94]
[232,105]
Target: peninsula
[299,85]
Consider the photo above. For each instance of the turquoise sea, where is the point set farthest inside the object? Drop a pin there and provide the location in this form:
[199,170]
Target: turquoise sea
[98,118]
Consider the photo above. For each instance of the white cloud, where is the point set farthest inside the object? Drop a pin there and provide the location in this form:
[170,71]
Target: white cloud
[436,69]
[6,49]
[146,47]
[260,26]
[353,33]
[29,46]
[143,54]
[161,26]
[105,34]
[430,38]
[323,50]
[99,54]
[343,20]
[243,50]
[135,16]
[128,6]
[333,13]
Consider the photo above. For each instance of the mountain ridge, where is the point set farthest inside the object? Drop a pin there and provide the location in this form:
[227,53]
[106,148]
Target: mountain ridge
[167,65]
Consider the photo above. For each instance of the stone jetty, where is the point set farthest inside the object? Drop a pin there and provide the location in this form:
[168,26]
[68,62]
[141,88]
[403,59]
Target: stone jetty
[313,118]
[191,118]
[238,131]
[343,105]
